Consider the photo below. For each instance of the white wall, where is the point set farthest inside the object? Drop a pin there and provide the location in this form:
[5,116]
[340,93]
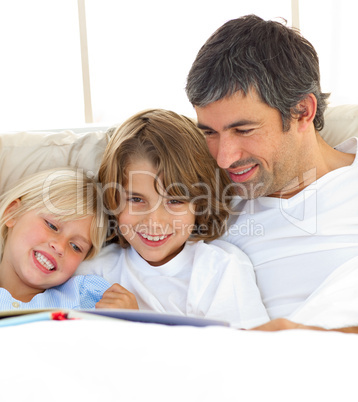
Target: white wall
[140,53]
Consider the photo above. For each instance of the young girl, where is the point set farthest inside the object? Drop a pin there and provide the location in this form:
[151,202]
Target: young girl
[167,196]
[49,223]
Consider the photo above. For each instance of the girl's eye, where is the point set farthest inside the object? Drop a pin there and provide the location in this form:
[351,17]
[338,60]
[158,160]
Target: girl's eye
[76,248]
[51,225]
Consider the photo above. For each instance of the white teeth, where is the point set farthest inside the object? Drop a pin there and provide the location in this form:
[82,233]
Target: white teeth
[45,262]
[243,171]
[153,238]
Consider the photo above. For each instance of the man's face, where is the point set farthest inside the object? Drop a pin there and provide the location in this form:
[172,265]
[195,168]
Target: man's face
[246,138]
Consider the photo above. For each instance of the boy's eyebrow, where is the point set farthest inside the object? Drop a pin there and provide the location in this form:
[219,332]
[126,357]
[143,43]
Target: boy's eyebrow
[237,123]
[134,193]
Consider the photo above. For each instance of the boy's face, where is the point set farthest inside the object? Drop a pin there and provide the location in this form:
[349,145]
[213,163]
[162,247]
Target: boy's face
[155,226]
[42,251]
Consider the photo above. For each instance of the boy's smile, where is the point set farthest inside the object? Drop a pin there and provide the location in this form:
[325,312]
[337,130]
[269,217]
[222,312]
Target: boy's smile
[155,225]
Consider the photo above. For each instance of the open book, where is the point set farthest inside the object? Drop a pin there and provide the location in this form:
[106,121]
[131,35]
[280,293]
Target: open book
[16,317]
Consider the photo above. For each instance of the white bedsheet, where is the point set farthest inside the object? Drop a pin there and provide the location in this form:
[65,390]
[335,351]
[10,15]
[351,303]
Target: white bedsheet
[85,360]
[335,303]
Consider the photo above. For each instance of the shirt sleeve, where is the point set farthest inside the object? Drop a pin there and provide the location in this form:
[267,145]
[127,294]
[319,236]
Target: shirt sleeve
[91,289]
[223,286]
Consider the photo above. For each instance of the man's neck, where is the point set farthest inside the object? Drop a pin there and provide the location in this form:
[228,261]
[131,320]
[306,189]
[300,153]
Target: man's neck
[322,160]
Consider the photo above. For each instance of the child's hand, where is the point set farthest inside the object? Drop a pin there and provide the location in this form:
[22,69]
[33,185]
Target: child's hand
[118,297]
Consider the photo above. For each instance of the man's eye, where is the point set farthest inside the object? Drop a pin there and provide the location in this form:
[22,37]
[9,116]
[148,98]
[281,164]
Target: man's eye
[51,225]
[207,133]
[243,132]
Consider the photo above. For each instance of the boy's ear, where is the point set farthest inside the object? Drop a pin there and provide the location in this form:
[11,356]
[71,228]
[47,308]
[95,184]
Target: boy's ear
[308,109]
[9,210]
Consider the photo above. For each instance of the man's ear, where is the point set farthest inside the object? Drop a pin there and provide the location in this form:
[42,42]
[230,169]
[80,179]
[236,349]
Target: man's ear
[10,209]
[307,109]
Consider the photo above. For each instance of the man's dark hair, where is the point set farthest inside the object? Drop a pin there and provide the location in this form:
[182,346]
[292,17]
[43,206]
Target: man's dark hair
[249,52]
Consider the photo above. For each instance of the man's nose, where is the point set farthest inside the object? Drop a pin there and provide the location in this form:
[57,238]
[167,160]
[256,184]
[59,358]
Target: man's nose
[229,151]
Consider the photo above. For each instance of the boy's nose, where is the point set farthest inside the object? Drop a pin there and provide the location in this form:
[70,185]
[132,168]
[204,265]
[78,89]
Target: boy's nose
[155,220]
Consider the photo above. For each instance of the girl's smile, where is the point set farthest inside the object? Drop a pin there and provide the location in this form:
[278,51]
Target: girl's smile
[42,251]
[44,261]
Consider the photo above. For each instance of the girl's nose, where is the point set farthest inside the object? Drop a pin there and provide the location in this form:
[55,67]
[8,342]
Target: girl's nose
[58,246]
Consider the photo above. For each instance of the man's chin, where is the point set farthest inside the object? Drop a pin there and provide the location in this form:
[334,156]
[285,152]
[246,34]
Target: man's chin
[251,191]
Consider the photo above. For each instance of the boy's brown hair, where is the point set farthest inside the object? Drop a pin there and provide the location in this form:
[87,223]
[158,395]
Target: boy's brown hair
[187,171]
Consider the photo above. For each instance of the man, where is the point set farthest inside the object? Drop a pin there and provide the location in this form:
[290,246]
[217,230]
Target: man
[255,86]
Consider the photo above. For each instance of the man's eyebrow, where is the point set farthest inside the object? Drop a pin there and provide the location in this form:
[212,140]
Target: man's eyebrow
[203,127]
[238,123]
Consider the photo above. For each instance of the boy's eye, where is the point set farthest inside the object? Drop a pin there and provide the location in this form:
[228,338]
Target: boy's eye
[135,199]
[175,202]
[76,248]
[51,225]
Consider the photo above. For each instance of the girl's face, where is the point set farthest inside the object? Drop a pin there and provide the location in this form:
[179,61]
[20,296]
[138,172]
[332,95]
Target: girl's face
[156,226]
[42,251]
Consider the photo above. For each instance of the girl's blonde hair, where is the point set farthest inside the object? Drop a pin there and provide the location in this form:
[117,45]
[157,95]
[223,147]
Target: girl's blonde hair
[66,193]
[178,150]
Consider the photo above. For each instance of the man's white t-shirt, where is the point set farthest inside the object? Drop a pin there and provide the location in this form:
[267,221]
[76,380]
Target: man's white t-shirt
[295,244]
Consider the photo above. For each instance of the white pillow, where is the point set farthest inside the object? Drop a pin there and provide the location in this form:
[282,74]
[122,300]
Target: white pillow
[23,153]
[341,123]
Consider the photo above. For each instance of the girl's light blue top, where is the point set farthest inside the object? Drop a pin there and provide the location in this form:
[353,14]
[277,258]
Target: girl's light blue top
[79,292]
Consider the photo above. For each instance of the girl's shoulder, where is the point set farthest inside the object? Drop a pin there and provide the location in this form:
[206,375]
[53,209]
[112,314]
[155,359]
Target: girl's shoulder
[81,283]
[83,291]
[90,281]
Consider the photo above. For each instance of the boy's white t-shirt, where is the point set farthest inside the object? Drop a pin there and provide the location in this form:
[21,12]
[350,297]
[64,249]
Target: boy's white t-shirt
[213,280]
[295,244]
